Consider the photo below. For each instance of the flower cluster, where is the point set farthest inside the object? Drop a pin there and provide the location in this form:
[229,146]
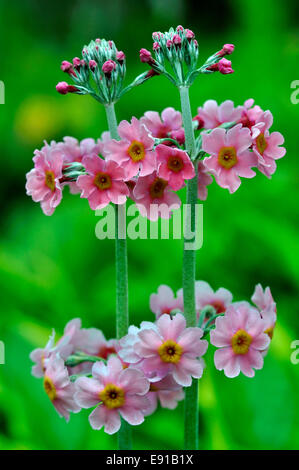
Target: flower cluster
[128,377]
[179,48]
[149,163]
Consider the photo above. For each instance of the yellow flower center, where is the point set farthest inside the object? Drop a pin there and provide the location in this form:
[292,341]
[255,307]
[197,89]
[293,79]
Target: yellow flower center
[112,396]
[175,164]
[157,188]
[136,151]
[50,388]
[227,157]
[170,351]
[50,180]
[261,143]
[241,341]
[270,331]
[102,181]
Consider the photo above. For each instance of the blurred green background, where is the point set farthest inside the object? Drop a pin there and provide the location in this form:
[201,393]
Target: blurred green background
[54,268]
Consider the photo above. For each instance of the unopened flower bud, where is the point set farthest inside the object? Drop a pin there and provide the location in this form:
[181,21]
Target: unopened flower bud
[120,56]
[92,65]
[98,41]
[177,40]
[151,73]
[178,135]
[226,50]
[168,43]
[156,46]
[67,67]
[189,34]
[108,67]
[146,56]
[63,88]
[224,66]
[77,63]
[200,122]
[179,28]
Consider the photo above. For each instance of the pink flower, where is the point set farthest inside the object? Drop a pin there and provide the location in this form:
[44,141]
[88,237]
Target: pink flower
[43,181]
[59,388]
[241,339]
[168,347]
[115,392]
[250,114]
[220,299]
[160,127]
[153,197]
[204,179]
[174,166]
[165,301]
[74,151]
[230,157]
[63,88]
[267,146]
[65,346]
[134,151]
[167,392]
[267,307]
[93,342]
[226,50]
[108,67]
[103,183]
[224,66]
[146,56]
[213,115]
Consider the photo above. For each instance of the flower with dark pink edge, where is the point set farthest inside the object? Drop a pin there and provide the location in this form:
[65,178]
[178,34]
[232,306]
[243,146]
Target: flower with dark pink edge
[43,183]
[166,392]
[204,179]
[174,166]
[211,115]
[264,301]
[171,348]
[154,197]
[103,183]
[241,339]
[267,146]
[161,127]
[116,392]
[134,151]
[230,156]
[165,301]
[59,388]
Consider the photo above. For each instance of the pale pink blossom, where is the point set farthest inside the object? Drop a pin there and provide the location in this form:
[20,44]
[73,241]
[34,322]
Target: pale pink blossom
[93,342]
[165,301]
[74,151]
[115,392]
[103,183]
[250,114]
[43,181]
[211,115]
[204,294]
[267,146]
[264,301]
[240,336]
[154,197]
[134,151]
[229,156]
[168,347]
[161,127]
[166,392]
[59,388]
[65,346]
[174,166]
[204,179]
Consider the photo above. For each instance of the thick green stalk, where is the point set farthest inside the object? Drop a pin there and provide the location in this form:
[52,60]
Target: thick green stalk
[121,263]
[189,258]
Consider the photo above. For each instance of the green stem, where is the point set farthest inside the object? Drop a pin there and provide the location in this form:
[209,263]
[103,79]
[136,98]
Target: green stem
[189,259]
[121,262]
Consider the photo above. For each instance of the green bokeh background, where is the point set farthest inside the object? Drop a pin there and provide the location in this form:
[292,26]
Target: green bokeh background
[54,268]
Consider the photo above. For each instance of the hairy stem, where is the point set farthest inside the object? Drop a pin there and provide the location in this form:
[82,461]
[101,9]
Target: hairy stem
[121,263]
[189,259]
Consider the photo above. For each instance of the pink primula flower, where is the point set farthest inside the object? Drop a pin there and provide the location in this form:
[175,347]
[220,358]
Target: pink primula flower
[162,127]
[267,146]
[241,339]
[211,115]
[230,156]
[59,388]
[153,197]
[174,166]
[204,179]
[115,392]
[134,151]
[43,183]
[74,151]
[93,342]
[171,348]
[165,301]
[166,392]
[250,114]
[103,183]
[267,307]
[204,294]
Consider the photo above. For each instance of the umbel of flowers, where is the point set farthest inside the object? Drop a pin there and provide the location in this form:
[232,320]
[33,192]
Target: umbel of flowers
[149,160]
[150,365]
